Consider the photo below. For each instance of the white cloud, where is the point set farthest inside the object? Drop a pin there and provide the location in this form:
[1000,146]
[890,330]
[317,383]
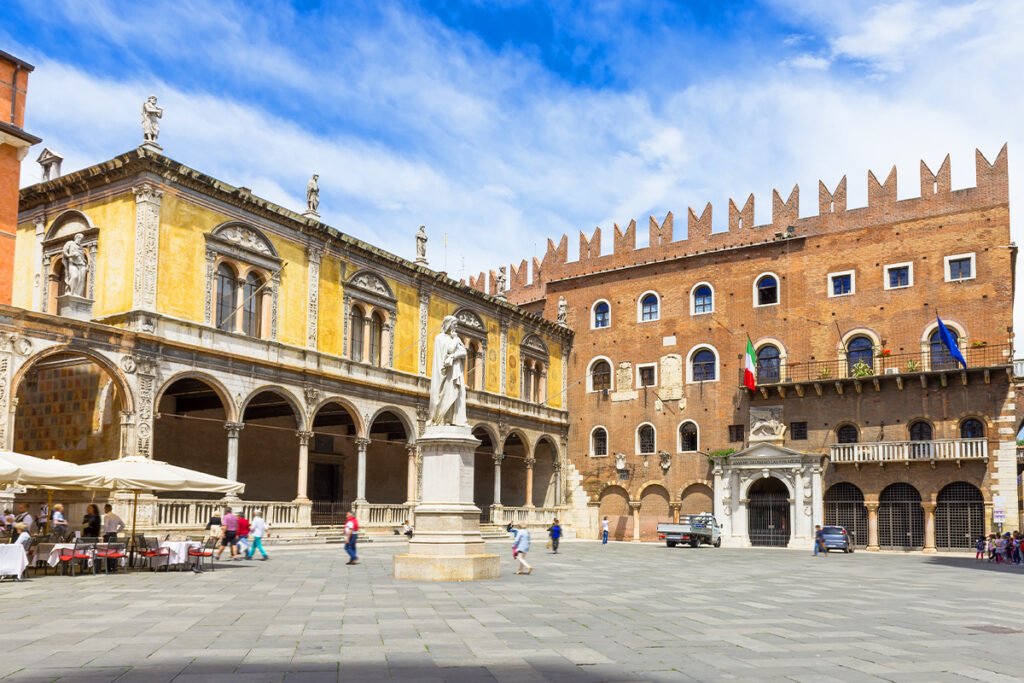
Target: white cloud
[808,61]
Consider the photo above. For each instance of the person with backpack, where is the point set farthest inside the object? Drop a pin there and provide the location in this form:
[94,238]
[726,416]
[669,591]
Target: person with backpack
[351,536]
[555,532]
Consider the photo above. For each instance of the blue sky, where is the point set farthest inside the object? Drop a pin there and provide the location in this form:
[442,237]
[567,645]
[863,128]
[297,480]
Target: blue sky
[505,123]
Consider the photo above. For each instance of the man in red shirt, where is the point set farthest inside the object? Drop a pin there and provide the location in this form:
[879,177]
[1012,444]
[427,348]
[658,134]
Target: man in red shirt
[242,540]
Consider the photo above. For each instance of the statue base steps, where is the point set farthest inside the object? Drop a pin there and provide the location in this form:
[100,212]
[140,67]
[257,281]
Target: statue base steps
[447,545]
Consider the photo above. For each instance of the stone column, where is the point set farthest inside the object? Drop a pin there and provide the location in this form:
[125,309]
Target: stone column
[302,492]
[675,508]
[989,524]
[314,254]
[39,280]
[799,529]
[361,444]
[872,507]
[929,526]
[411,478]
[498,457]
[557,477]
[127,440]
[234,430]
[530,462]
[817,498]
[145,378]
[147,244]
[635,506]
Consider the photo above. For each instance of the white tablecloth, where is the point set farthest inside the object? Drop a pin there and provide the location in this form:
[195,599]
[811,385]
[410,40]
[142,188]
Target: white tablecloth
[53,559]
[13,559]
[177,552]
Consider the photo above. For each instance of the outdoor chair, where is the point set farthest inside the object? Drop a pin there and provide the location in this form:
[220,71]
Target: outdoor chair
[80,554]
[199,556]
[150,550]
[112,554]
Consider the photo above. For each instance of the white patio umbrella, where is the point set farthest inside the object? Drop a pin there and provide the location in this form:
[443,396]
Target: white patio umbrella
[137,474]
[19,469]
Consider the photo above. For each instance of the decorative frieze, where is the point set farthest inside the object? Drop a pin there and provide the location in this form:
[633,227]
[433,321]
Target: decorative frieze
[424,317]
[147,243]
[313,306]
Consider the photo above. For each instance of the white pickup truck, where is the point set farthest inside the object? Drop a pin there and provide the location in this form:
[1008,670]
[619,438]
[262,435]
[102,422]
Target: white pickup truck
[692,529]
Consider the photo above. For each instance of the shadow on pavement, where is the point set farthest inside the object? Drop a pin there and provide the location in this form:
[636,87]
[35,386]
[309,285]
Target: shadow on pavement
[968,562]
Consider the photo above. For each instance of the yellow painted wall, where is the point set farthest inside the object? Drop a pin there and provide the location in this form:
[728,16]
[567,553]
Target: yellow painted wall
[492,371]
[24,273]
[293,296]
[554,388]
[181,276]
[512,369]
[331,327]
[407,329]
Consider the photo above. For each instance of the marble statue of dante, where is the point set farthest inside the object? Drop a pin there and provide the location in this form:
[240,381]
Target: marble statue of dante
[421,244]
[313,194]
[75,267]
[563,311]
[447,380]
[150,115]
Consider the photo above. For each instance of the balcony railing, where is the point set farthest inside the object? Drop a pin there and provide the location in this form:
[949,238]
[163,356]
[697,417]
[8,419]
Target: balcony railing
[910,451]
[184,513]
[530,516]
[383,514]
[881,364]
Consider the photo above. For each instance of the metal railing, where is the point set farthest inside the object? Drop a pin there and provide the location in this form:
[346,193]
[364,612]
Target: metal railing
[910,451]
[881,363]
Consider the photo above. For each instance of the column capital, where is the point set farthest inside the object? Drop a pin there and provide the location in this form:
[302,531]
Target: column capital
[872,505]
[234,429]
[634,504]
[673,505]
[362,443]
[412,450]
[530,462]
[928,505]
[304,437]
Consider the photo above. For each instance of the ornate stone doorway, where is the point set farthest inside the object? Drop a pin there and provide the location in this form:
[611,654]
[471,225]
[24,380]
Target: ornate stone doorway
[768,513]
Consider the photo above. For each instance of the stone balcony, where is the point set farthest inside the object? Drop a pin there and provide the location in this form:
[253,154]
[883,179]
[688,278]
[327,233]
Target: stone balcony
[909,451]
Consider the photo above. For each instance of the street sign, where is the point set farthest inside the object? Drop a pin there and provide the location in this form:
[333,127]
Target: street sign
[998,516]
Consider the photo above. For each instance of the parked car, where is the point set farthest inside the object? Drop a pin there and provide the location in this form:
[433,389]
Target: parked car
[836,538]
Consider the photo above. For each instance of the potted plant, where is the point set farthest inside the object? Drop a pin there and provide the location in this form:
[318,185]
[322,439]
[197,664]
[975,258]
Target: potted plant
[913,365]
[824,372]
[862,369]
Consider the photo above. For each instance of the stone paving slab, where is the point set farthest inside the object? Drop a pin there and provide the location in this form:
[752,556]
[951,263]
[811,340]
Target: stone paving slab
[608,614]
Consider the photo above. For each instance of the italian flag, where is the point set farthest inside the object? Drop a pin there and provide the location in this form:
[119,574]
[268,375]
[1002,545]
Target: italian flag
[749,364]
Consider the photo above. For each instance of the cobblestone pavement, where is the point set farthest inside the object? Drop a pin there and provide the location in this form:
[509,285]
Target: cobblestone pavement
[620,612]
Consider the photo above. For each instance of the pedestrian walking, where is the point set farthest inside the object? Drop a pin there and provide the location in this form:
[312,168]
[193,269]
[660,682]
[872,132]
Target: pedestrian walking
[819,541]
[112,526]
[351,536]
[555,532]
[243,537]
[604,530]
[60,524]
[979,548]
[520,547]
[43,518]
[259,531]
[228,533]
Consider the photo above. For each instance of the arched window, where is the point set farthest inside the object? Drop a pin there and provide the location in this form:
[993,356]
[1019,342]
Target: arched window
[703,299]
[768,364]
[227,294]
[357,320]
[599,441]
[600,375]
[252,306]
[920,431]
[847,434]
[649,308]
[767,290]
[702,366]
[972,429]
[859,350]
[602,314]
[376,337]
[939,355]
[645,439]
[688,437]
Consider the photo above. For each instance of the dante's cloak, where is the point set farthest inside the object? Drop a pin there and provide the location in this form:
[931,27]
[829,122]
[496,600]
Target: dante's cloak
[447,386]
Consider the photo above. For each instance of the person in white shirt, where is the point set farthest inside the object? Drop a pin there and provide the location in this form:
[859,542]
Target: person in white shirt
[604,530]
[258,529]
[112,524]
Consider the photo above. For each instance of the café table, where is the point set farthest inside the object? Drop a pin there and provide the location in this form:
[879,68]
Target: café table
[13,560]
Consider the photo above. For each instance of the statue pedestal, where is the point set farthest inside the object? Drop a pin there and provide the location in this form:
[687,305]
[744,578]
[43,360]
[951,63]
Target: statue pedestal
[447,545]
[77,307]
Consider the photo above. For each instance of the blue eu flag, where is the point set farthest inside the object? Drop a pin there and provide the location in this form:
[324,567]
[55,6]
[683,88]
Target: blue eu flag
[950,343]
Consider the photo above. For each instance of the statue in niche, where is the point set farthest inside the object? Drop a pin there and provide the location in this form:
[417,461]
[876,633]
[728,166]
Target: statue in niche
[447,377]
[313,194]
[76,267]
[563,311]
[500,283]
[150,119]
[421,245]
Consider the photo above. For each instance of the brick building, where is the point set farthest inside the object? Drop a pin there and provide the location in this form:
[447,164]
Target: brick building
[14,145]
[860,417]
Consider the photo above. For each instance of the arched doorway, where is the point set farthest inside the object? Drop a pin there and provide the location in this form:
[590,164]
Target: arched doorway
[615,506]
[333,463]
[68,407]
[189,431]
[696,499]
[268,452]
[653,509]
[483,473]
[900,518]
[844,506]
[768,513]
[544,484]
[513,471]
[387,460]
[959,516]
